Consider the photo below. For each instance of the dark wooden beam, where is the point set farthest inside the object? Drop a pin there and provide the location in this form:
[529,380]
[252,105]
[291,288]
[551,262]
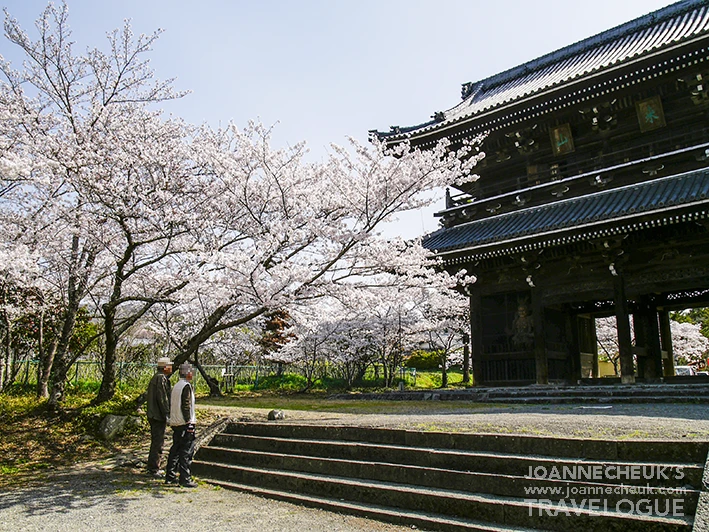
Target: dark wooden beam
[540,350]
[627,369]
[476,337]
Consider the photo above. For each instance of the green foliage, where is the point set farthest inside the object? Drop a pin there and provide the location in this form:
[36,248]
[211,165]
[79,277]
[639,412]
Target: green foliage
[330,384]
[88,416]
[84,330]
[16,404]
[140,353]
[424,360]
[287,382]
[9,470]
[83,387]
[19,390]
[290,382]
[426,379]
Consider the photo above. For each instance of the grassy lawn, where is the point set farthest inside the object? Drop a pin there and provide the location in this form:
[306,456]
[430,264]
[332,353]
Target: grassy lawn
[37,440]
[320,403]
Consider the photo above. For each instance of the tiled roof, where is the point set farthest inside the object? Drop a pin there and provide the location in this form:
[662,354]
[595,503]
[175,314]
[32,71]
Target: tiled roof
[653,32]
[619,207]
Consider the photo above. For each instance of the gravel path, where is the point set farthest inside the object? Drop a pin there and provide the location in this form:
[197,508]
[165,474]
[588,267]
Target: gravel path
[96,499]
[647,421]
[112,495]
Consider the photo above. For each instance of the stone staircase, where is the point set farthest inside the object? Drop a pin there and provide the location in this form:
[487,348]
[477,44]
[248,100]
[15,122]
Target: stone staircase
[554,394]
[463,482]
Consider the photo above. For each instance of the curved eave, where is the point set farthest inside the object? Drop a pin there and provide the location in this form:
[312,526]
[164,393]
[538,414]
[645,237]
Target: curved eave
[625,45]
[665,201]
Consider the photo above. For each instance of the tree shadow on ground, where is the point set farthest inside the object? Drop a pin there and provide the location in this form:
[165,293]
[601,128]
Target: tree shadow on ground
[82,487]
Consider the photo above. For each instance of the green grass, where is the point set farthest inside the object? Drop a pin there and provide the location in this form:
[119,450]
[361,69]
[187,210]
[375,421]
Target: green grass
[294,383]
[313,402]
[40,438]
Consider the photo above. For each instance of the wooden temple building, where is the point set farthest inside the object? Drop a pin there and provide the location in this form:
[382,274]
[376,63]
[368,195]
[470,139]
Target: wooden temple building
[592,200]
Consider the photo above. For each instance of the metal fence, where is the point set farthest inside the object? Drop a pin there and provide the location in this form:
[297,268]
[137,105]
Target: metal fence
[230,377]
[138,374]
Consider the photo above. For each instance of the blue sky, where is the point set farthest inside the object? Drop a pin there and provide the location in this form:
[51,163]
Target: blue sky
[322,70]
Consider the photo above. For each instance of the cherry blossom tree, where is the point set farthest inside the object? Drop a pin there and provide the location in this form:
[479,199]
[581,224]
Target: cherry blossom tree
[444,323]
[18,295]
[378,320]
[689,345]
[312,334]
[129,210]
[99,159]
[698,316]
[607,339]
[284,232]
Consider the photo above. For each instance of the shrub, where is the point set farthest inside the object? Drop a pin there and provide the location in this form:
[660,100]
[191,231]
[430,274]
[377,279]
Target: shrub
[286,382]
[424,360]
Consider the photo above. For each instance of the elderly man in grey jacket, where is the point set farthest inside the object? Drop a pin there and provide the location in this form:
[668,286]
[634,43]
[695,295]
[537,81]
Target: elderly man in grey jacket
[158,413]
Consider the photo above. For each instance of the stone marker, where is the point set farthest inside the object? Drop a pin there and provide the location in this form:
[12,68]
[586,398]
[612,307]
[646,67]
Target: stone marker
[276,414]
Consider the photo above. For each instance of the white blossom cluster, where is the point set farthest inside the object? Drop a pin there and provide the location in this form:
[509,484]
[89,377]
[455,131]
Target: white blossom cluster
[191,232]
[689,345]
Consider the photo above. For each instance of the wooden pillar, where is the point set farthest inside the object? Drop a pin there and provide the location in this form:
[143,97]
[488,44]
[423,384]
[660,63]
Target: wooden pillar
[647,339]
[627,369]
[540,348]
[640,350]
[574,348]
[668,358]
[595,373]
[654,347]
[476,340]
[466,358]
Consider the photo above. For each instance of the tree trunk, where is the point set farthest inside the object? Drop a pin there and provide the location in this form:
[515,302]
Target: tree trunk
[444,372]
[108,383]
[5,358]
[466,358]
[46,361]
[62,362]
[44,371]
[214,389]
[76,289]
[60,371]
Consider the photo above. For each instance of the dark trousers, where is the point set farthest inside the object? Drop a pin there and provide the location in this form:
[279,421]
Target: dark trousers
[157,441]
[180,458]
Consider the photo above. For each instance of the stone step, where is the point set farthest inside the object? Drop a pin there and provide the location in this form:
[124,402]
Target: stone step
[410,518]
[661,474]
[451,504]
[652,451]
[534,400]
[638,393]
[602,392]
[520,487]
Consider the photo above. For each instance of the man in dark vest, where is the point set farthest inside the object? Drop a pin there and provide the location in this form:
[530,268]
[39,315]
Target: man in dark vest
[182,421]
[158,413]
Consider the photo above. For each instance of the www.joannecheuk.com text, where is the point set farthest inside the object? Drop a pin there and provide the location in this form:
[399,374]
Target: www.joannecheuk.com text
[606,472]
[569,491]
